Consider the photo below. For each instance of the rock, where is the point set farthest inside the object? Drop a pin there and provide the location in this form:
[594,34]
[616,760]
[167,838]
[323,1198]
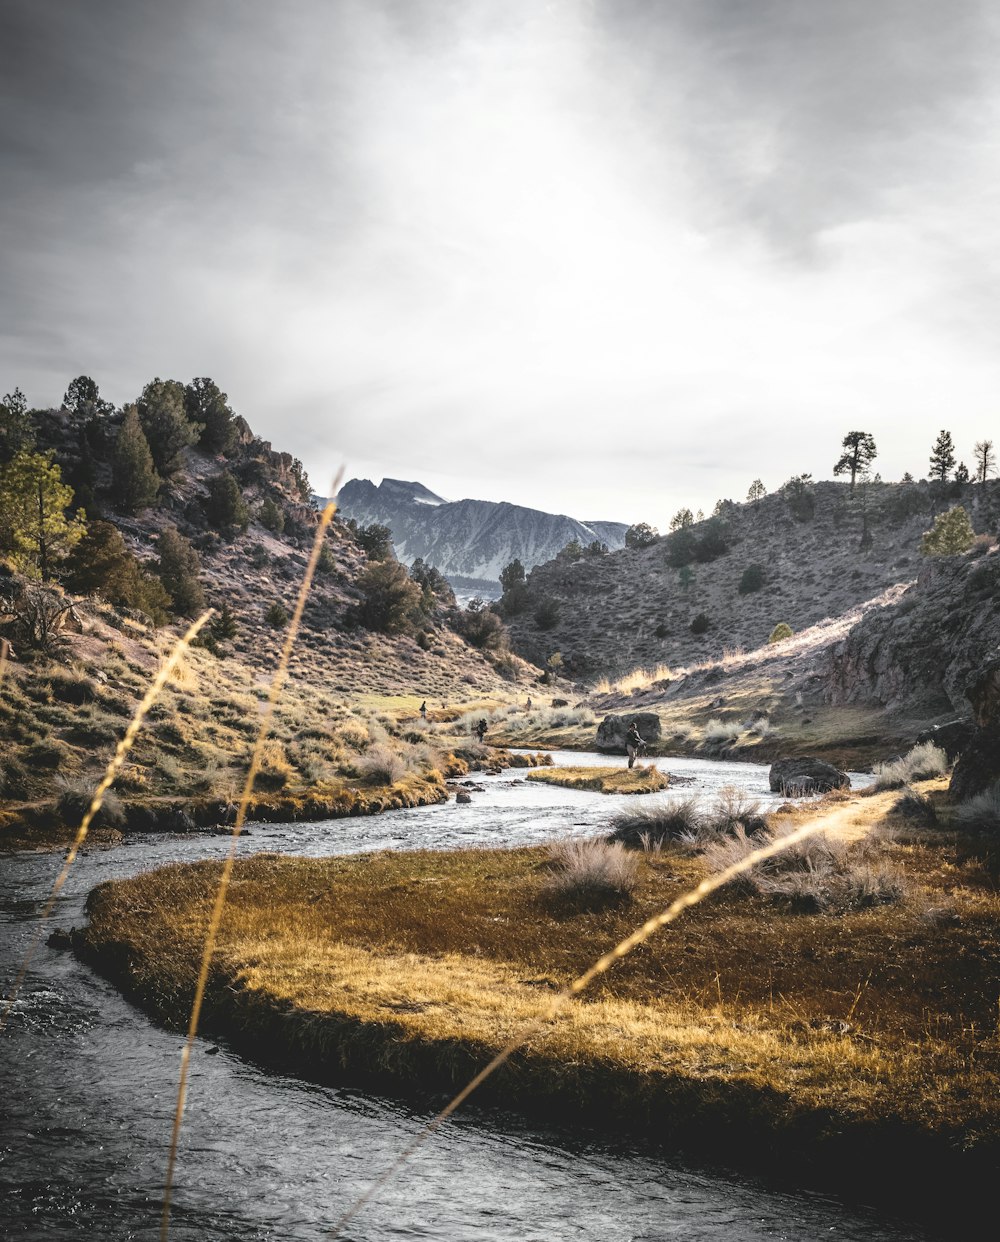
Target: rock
[952,737]
[978,765]
[60,939]
[612,730]
[462,796]
[560,702]
[806,775]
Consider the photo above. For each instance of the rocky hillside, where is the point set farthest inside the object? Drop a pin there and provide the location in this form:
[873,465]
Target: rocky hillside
[921,650]
[811,553]
[468,538]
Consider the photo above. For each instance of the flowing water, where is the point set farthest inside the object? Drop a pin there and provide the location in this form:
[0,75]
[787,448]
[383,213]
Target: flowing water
[87,1087]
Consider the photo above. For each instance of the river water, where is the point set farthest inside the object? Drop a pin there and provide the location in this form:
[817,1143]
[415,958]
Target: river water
[87,1087]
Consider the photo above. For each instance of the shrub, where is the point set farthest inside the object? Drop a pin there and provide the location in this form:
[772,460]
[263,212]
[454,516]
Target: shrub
[392,600]
[915,807]
[654,823]
[700,624]
[719,731]
[712,542]
[480,626]
[381,766]
[799,496]
[591,873]
[547,614]
[780,632]
[179,568]
[731,808]
[75,800]
[982,811]
[271,516]
[72,687]
[375,540]
[950,535]
[641,535]
[49,754]
[277,615]
[920,764]
[752,580]
[224,505]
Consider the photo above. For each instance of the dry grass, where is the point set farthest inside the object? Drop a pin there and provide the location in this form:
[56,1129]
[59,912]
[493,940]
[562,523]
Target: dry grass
[590,873]
[880,1014]
[618,780]
[919,764]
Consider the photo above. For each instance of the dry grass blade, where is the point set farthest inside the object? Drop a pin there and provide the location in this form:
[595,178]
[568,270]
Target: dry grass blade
[211,935]
[676,908]
[113,768]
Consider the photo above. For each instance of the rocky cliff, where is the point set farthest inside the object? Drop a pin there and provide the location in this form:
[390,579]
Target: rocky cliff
[468,538]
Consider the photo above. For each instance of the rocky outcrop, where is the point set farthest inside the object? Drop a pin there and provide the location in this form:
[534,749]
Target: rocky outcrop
[920,651]
[978,766]
[468,538]
[612,730]
[796,777]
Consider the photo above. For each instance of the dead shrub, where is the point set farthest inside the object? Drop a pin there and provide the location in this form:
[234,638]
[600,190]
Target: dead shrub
[590,873]
[655,823]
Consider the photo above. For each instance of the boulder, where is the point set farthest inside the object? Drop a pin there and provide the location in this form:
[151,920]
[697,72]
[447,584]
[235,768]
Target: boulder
[952,737]
[806,775]
[978,765]
[612,730]
[462,796]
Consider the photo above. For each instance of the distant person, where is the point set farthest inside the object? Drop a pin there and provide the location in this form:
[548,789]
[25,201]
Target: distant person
[481,728]
[423,710]
[527,706]
[634,744]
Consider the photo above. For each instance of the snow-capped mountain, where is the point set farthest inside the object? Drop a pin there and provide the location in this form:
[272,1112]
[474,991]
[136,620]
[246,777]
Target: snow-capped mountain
[467,538]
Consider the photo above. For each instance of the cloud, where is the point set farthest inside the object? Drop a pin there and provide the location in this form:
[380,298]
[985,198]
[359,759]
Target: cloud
[606,258]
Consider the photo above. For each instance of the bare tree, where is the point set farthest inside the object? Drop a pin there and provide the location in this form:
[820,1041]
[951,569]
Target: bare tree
[986,462]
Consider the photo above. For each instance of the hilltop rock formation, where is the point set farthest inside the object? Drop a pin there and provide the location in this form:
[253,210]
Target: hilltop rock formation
[467,538]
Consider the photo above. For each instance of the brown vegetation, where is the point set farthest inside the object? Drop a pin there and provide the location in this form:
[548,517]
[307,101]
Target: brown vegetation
[610,780]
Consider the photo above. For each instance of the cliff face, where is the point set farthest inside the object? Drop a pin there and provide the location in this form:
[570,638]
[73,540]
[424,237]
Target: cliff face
[608,615]
[468,538]
[922,650]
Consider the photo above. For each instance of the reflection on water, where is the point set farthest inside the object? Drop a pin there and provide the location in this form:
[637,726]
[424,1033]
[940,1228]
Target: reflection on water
[87,1090]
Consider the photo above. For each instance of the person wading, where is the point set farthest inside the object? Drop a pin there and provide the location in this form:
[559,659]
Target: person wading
[634,744]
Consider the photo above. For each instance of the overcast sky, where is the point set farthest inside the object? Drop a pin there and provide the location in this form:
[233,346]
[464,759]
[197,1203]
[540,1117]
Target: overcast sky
[603,257]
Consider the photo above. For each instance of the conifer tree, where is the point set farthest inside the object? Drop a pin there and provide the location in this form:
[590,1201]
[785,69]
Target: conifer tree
[859,452]
[756,493]
[161,412]
[179,568]
[102,565]
[223,625]
[224,506]
[942,457]
[16,432]
[34,528]
[134,481]
[207,406]
[986,462]
[950,535]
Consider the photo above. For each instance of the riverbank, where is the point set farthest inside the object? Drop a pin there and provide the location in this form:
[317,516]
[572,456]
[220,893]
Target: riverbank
[747,1032]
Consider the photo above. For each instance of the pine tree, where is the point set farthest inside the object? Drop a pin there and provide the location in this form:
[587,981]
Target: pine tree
[756,493]
[179,568]
[682,518]
[34,527]
[223,625]
[961,473]
[859,452]
[16,432]
[161,412]
[942,457]
[986,462]
[134,481]
[224,506]
[950,535]
[208,407]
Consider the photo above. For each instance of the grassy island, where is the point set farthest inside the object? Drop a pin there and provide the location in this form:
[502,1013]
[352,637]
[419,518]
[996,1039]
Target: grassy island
[860,1045]
[610,780]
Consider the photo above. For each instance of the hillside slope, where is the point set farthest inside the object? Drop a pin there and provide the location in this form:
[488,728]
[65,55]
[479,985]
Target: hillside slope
[467,538]
[608,615]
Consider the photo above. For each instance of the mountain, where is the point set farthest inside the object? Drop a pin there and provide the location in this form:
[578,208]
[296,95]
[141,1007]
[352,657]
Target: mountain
[724,584]
[467,538]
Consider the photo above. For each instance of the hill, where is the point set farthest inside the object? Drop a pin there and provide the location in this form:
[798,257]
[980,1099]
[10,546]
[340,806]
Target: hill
[468,539]
[800,557]
[228,527]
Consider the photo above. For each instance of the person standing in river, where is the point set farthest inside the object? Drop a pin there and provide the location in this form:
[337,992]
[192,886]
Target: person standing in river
[634,744]
[481,730]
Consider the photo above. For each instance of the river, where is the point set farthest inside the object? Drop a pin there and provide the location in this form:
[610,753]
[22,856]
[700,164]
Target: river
[87,1088]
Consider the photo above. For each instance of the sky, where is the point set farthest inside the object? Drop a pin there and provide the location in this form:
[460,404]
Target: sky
[600,257]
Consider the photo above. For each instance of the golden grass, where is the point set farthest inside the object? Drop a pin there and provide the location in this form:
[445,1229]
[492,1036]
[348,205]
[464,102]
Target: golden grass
[427,963]
[610,780]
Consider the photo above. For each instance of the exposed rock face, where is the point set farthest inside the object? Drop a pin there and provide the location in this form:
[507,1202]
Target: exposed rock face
[468,538]
[921,650]
[612,730]
[978,766]
[805,775]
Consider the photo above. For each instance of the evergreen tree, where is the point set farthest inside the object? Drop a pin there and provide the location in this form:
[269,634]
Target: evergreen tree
[271,516]
[179,569]
[134,481]
[641,535]
[223,625]
[84,397]
[161,412]
[859,452]
[101,564]
[682,518]
[756,493]
[208,407]
[224,506]
[392,600]
[376,540]
[16,432]
[34,528]
[942,457]
[986,462]
[961,473]
[950,535]
[512,574]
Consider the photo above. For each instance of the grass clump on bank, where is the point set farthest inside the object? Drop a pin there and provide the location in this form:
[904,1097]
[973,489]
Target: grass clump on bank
[617,780]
